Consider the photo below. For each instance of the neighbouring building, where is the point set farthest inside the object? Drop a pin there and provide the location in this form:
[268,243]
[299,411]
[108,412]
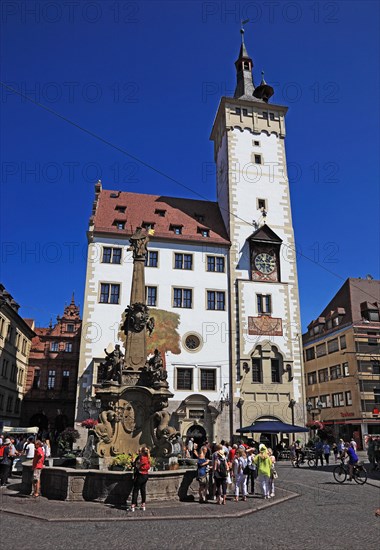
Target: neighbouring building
[222,273]
[16,335]
[342,361]
[51,382]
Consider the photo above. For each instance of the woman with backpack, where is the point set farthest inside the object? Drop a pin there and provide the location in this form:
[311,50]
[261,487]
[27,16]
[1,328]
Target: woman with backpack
[220,475]
[240,473]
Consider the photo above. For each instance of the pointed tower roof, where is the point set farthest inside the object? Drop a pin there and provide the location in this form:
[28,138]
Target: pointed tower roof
[72,310]
[264,91]
[244,65]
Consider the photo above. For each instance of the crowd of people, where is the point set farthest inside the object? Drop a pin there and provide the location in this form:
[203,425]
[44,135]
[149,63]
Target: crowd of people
[23,447]
[222,469]
[225,469]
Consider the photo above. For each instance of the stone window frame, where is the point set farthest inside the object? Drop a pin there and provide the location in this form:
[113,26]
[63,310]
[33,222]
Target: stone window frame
[111,283]
[216,257]
[112,249]
[208,370]
[189,335]
[156,296]
[216,292]
[148,256]
[184,368]
[183,254]
[182,289]
[260,299]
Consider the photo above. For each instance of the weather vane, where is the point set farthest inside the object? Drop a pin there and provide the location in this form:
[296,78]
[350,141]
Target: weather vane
[243,22]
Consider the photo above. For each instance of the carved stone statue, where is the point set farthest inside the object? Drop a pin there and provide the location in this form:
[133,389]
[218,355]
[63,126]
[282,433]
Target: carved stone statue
[139,241]
[150,325]
[105,429]
[112,366]
[136,319]
[162,433]
[155,371]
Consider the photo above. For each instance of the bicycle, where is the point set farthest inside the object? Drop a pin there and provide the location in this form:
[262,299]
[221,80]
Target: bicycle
[359,474]
[297,462]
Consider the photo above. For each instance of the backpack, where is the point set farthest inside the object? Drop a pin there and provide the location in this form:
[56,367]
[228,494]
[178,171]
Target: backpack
[2,447]
[222,467]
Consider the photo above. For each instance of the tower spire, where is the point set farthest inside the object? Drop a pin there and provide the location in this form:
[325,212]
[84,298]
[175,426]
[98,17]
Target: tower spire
[244,64]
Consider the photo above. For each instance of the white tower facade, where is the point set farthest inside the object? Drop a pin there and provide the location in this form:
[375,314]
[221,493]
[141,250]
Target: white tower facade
[253,196]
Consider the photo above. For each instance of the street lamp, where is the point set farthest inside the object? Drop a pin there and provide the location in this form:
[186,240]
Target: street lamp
[291,405]
[312,410]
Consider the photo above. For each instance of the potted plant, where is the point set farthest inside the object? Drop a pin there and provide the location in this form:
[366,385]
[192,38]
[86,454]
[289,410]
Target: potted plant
[315,425]
[89,423]
[123,462]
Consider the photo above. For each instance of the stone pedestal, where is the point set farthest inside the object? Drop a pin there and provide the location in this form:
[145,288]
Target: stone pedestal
[133,416]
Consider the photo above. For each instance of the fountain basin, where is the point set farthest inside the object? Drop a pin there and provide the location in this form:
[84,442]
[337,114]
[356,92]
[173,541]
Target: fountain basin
[70,484]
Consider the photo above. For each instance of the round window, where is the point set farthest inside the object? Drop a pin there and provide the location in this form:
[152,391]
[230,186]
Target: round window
[192,342]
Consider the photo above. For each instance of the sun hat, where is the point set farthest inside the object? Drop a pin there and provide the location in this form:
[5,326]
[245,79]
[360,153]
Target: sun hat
[7,441]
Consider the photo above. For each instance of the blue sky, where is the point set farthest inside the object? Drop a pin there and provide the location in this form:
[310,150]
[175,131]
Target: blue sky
[147,78]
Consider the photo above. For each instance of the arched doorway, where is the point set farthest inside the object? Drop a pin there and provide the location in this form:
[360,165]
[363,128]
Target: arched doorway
[198,433]
[40,420]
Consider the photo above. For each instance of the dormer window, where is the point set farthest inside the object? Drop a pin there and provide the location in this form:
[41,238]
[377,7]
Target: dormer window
[148,225]
[177,229]
[115,195]
[119,224]
[370,312]
[120,209]
[160,212]
[204,232]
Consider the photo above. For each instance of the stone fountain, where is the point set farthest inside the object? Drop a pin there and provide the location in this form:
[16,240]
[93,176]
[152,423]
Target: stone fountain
[133,390]
[134,394]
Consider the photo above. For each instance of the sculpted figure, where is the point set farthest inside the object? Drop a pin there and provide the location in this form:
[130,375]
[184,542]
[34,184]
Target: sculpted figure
[105,429]
[139,241]
[136,317]
[150,325]
[156,372]
[111,368]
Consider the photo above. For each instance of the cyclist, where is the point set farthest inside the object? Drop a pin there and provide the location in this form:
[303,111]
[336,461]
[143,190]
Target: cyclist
[299,452]
[352,459]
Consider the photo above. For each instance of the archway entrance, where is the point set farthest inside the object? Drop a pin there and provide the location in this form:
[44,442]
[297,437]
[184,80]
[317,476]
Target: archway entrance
[198,433]
[40,420]
[269,440]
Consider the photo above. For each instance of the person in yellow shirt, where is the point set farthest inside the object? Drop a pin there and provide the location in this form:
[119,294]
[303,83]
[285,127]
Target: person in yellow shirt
[263,465]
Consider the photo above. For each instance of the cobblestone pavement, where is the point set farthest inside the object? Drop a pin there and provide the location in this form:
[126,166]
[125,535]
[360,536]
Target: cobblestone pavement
[324,513]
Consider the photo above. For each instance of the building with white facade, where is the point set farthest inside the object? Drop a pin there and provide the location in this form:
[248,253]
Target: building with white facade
[185,275]
[227,269]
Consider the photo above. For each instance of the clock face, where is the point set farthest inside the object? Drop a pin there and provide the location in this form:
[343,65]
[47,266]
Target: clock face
[265,263]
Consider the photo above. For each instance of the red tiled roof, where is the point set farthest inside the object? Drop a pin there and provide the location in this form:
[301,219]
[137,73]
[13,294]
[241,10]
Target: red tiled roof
[178,212]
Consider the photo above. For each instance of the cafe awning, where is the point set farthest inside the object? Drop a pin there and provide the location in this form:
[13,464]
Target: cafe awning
[272,427]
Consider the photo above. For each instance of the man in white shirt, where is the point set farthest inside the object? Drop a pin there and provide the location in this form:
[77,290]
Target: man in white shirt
[29,448]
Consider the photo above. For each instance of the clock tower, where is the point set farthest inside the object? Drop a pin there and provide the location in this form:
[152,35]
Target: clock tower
[253,195]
